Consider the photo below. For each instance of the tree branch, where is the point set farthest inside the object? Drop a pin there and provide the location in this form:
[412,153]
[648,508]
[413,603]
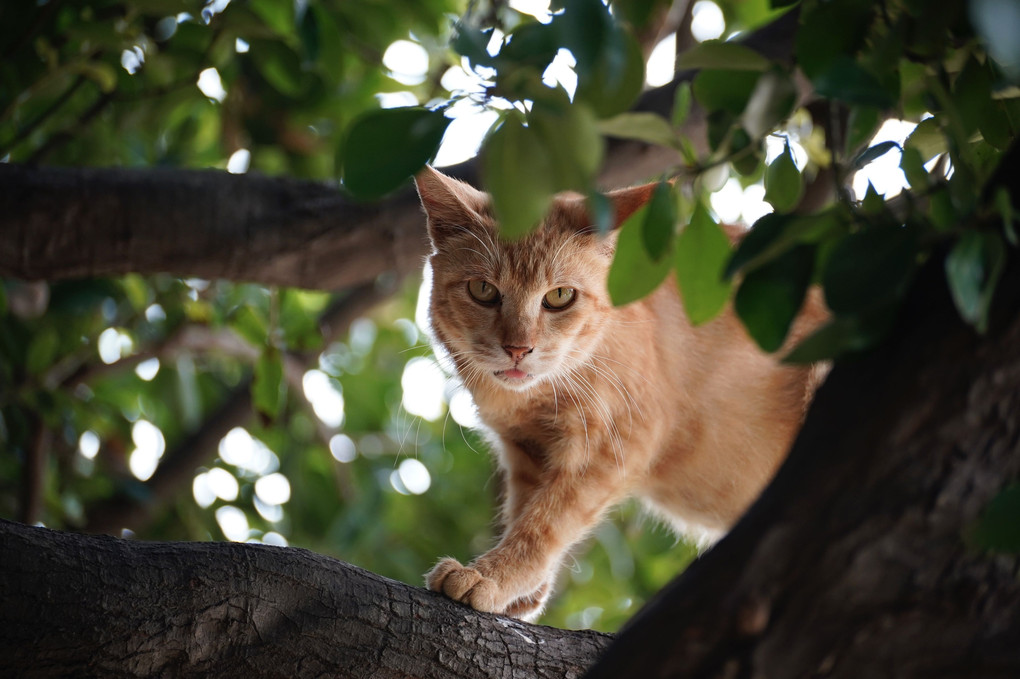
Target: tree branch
[79,605]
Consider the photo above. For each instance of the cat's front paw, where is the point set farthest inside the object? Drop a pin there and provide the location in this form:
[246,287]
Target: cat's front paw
[466,585]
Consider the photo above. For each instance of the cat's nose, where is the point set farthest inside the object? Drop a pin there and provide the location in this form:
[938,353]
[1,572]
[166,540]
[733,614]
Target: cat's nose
[517,353]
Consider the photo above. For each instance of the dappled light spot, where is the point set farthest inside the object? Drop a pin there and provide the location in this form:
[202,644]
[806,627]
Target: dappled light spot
[202,490]
[149,448]
[407,61]
[585,619]
[113,345]
[323,393]
[241,46]
[132,59]
[246,453]
[396,99]
[884,172]
[536,8]
[269,512]
[273,489]
[560,71]
[342,448]
[274,538]
[239,161]
[147,369]
[414,476]
[661,62]
[223,484]
[707,22]
[88,444]
[155,313]
[233,523]
[423,384]
[211,85]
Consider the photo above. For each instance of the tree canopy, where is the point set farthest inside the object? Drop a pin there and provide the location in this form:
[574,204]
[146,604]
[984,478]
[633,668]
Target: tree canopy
[276,401]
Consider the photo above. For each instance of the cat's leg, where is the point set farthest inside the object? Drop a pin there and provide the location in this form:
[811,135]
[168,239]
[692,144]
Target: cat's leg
[514,577]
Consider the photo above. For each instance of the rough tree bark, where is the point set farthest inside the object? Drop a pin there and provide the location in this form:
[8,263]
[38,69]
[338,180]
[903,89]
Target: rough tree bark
[98,606]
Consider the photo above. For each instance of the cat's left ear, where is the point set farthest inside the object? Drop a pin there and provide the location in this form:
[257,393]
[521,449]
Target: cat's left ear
[450,204]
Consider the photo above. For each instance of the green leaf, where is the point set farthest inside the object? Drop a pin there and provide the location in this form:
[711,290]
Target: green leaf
[42,350]
[913,168]
[783,183]
[280,66]
[973,269]
[385,147]
[1002,203]
[650,128]
[471,43]
[842,335]
[702,251]
[716,54]
[633,274]
[775,234]
[279,16]
[846,80]
[772,101]
[998,529]
[681,104]
[268,390]
[602,213]
[829,31]
[769,297]
[861,126]
[657,230]
[869,268]
[928,139]
[724,90]
[570,137]
[610,67]
[873,153]
[519,176]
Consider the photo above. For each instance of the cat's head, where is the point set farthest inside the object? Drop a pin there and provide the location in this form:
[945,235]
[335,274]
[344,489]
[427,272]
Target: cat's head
[512,314]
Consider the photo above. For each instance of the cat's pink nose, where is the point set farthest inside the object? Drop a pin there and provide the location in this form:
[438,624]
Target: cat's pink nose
[517,353]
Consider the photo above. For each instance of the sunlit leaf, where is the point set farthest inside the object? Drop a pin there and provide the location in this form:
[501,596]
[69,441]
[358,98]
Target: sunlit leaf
[385,147]
[702,251]
[724,90]
[268,389]
[657,230]
[641,126]
[519,176]
[928,139]
[681,104]
[633,274]
[783,183]
[716,54]
[569,135]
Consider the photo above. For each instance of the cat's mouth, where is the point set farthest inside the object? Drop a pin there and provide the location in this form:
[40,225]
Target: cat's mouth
[513,375]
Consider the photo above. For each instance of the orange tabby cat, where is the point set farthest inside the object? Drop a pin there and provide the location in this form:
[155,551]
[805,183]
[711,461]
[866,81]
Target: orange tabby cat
[589,404]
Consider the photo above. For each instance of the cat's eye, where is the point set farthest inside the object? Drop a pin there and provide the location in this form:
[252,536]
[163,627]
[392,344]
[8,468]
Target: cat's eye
[483,291]
[559,298]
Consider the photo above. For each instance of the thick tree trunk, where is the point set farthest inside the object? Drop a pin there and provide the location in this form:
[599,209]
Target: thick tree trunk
[80,606]
[856,561]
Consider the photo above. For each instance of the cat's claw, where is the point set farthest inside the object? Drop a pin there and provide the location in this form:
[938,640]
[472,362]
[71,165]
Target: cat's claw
[466,585]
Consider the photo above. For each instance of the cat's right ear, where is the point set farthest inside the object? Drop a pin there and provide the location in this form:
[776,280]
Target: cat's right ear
[450,204]
[628,201]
